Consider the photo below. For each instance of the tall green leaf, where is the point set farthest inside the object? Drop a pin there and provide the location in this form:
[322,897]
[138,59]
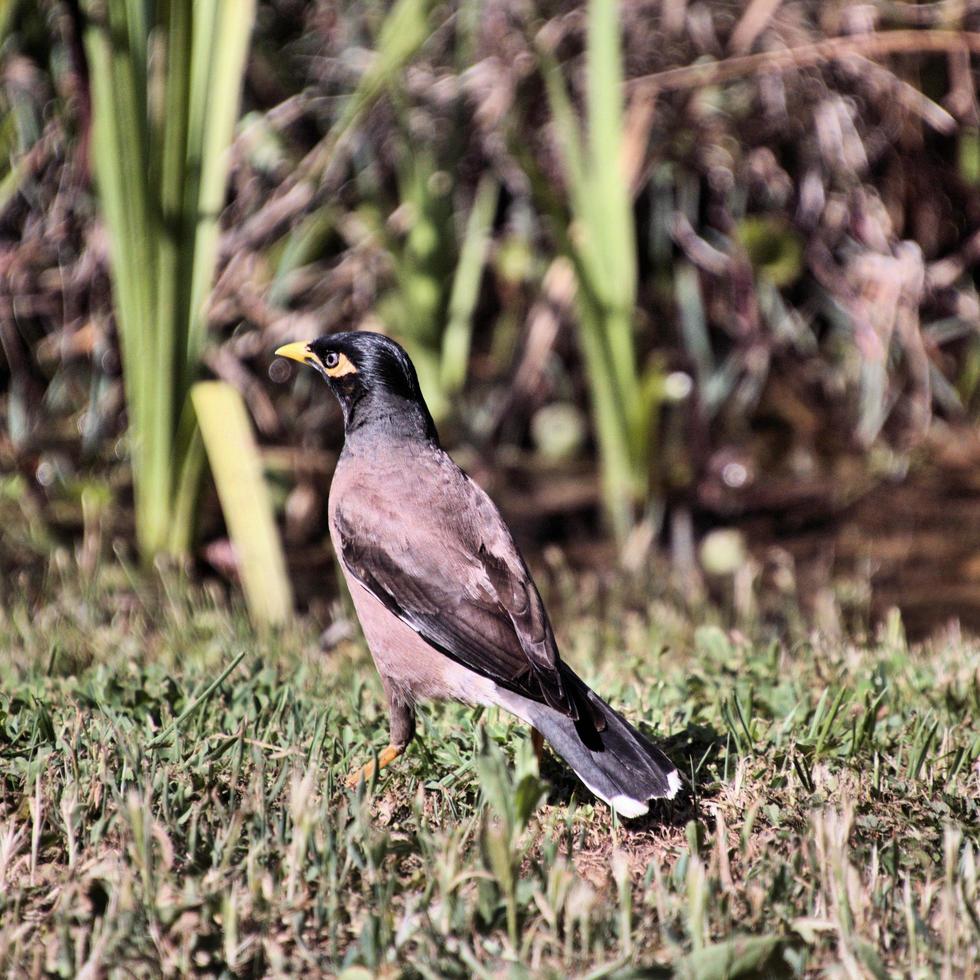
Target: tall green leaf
[237,470]
[162,126]
[600,239]
[466,285]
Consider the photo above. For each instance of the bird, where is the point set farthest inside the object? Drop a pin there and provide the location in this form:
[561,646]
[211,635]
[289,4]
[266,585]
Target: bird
[445,600]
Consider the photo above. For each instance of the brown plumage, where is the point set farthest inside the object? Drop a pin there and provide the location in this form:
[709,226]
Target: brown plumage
[446,602]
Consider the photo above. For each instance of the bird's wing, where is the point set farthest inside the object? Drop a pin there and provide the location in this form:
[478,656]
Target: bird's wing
[459,582]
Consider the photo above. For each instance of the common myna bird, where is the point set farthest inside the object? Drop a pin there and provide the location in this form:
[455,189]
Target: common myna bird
[446,602]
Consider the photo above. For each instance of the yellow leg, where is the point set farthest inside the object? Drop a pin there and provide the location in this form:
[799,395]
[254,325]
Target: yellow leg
[386,757]
[537,741]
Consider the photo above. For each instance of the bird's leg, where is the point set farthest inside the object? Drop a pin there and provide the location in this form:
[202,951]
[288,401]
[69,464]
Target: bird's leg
[537,743]
[401,722]
[365,772]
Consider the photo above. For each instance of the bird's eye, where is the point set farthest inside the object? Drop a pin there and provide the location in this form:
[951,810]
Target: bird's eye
[331,360]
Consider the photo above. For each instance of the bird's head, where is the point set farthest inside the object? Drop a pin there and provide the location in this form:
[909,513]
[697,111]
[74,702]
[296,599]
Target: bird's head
[373,378]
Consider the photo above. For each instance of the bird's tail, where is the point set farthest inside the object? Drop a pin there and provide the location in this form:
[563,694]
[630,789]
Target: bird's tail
[618,764]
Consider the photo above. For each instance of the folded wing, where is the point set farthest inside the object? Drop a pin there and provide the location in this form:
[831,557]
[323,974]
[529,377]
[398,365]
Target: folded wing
[471,598]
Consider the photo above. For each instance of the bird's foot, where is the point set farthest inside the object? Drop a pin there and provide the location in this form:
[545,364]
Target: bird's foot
[385,757]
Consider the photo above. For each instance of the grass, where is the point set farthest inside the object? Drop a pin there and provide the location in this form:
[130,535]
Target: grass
[154,822]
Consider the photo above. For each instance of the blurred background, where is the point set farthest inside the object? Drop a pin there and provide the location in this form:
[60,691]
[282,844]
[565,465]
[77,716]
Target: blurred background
[691,285]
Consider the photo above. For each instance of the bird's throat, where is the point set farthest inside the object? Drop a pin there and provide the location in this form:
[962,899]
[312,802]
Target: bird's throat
[368,415]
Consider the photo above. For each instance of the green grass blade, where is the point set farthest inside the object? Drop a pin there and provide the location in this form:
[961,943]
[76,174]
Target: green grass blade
[119,150]
[568,133]
[7,8]
[693,322]
[603,247]
[14,161]
[611,223]
[190,453]
[237,469]
[466,285]
[217,71]
[610,199]
[198,702]
[168,135]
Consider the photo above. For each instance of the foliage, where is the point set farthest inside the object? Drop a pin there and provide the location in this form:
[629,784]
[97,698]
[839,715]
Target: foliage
[171,793]
[166,81]
[602,244]
[754,259]
[437,279]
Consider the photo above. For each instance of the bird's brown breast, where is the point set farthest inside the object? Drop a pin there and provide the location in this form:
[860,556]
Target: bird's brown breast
[408,665]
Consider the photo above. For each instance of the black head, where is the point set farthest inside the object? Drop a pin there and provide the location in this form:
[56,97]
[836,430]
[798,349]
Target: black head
[373,378]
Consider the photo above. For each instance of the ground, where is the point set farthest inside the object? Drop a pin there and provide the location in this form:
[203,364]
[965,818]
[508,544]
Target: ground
[154,822]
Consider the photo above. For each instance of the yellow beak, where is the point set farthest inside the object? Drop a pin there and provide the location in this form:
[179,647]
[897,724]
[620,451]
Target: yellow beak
[296,352]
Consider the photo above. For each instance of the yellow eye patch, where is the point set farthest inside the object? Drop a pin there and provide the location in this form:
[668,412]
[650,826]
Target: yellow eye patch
[336,365]
[342,367]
